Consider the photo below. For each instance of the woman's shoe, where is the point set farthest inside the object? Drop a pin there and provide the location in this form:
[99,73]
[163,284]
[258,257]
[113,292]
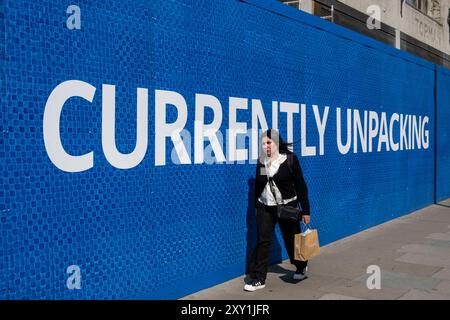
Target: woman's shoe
[255,285]
[300,274]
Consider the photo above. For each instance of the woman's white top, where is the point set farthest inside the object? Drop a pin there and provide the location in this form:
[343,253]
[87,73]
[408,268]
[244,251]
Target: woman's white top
[267,197]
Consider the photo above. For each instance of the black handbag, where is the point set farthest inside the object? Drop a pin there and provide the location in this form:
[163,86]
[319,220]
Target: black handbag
[288,212]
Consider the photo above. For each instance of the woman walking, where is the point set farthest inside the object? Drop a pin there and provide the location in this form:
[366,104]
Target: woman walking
[279,180]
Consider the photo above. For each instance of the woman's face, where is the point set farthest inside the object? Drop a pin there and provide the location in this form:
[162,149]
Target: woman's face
[269,146]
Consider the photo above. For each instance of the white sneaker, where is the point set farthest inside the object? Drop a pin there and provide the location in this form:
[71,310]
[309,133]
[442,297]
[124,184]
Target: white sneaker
[255,285]
[300,275]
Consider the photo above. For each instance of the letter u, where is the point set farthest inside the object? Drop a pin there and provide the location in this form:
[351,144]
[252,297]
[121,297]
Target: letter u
[114,156]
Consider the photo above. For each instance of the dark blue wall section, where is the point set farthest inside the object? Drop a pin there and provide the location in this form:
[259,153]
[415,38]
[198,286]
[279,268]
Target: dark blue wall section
[443,134]
[167,231]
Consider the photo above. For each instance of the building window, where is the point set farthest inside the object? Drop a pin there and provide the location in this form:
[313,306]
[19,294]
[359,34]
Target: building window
[434,9]
[431,8]
[421,5]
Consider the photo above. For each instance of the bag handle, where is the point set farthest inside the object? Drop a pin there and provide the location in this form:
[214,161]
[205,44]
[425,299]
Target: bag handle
[307,226]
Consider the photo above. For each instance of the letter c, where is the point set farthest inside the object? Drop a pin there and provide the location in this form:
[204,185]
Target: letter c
[52,114]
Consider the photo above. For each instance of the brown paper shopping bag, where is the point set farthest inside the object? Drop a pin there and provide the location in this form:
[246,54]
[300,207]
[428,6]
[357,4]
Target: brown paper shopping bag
[306,245]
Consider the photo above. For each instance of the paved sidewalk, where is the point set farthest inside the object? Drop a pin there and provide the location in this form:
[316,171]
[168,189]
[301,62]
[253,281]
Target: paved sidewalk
[413,253]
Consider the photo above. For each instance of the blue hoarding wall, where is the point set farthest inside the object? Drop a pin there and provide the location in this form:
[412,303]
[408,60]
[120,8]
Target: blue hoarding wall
[442,134]
[164,231]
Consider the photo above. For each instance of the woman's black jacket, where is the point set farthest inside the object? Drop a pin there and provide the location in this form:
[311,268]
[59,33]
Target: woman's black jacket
[289,180]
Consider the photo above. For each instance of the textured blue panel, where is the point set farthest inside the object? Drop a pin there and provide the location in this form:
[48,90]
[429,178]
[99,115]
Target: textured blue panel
[443,134]
[163,232]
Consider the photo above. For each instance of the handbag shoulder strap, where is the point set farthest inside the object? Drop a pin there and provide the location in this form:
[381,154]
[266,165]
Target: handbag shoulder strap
[270,183]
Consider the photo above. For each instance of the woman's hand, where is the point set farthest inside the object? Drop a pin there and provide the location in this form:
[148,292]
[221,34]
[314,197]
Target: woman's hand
[306,219]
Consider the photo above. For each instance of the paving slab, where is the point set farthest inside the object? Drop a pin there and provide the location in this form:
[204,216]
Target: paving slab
[408,268]
[438,243]
[442,274]
[422,295]
[334,296]
[404,281]
[443,288]
[425,259]
[439,236]
[425,249]
[359,289]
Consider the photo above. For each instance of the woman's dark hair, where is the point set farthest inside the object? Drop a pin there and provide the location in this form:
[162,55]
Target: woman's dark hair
[272,134]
